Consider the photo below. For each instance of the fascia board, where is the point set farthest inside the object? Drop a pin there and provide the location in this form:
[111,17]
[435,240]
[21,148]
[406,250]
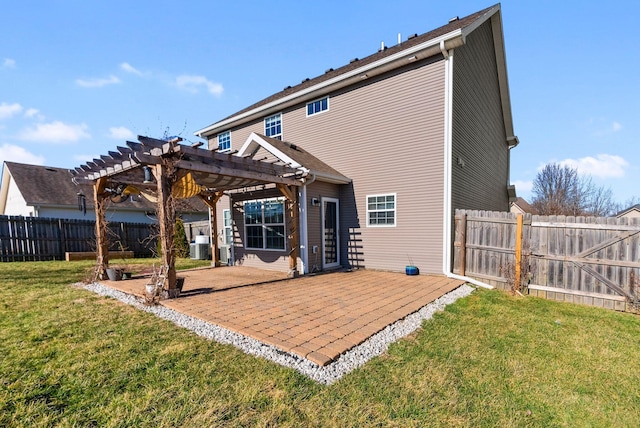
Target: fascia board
[331,84]
[255,138]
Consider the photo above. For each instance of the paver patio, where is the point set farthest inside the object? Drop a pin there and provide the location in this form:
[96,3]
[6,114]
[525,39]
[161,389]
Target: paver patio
[318,317]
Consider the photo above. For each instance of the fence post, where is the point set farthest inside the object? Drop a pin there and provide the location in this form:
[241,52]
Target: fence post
[463,242]
[516,280]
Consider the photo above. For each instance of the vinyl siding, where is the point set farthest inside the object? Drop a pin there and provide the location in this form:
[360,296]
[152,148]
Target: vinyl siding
[479,138]
[386,134]
[318,190]
[264,259]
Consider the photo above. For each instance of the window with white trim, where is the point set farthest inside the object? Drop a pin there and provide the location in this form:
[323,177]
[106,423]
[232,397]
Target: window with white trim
[318,106]
[381,210]
[228,231]
[264,224]
[273,126]
[224,141]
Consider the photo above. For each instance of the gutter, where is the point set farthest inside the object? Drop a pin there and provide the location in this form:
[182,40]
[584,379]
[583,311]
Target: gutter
[424,50]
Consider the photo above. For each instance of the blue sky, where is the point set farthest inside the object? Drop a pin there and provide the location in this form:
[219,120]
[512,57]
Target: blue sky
[78,78]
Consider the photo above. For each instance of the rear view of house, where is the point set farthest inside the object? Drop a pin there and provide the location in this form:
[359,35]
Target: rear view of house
[390,144]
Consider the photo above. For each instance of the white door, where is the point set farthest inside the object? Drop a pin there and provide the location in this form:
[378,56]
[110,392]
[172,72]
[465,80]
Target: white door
[330,233]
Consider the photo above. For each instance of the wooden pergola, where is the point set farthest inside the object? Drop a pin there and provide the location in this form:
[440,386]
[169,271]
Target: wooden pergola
[183,171]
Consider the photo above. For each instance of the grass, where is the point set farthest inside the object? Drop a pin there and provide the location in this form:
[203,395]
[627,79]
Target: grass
[71,358]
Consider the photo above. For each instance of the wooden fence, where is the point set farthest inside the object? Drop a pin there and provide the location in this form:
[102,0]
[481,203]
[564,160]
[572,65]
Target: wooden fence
[36,239]
[587,260]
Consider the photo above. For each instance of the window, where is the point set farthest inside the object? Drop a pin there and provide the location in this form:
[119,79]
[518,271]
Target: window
[224,141]
[228,231]
[264,224]
[273,126]
[318,106]
[381,210]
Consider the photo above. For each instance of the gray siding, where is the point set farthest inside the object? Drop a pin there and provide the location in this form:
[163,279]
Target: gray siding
[317,190]
[479,138]
[264,259]
[387,135]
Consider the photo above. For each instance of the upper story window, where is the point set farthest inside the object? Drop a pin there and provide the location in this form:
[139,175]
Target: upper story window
[224,141]
[264,224]
[273,126]
[381,210]
[318,106]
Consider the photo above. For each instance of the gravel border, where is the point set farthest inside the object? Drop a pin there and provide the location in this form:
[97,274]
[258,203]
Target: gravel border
[347,362]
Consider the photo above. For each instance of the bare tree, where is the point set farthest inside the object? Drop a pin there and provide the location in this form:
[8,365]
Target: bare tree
[560,190]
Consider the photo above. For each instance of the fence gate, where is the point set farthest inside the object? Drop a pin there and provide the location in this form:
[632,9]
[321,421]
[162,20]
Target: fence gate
[588,260]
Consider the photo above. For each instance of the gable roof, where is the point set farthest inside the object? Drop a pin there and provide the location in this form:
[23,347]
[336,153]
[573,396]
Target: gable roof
[293,155]
[523,205]
[53,187]
[635,207]
[421,46]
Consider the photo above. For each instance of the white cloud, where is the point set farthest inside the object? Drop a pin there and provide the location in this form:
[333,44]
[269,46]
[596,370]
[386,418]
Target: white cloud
[85,158]
[8,110]
[616,126]
[130,69]
[13,153]
[523,187]
[98,82]
[193,83]
[56,132]
[8,63]
[121,133]
[602,166]
[33,113]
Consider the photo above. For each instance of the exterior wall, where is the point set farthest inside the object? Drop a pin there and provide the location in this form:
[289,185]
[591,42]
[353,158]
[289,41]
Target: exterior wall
[386,135]
[264,259]
[16,205]
[318,190]
[479,139]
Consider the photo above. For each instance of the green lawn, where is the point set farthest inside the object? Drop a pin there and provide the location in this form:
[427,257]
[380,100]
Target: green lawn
[71,358]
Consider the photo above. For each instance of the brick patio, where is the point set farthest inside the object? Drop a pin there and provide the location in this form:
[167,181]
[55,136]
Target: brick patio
[317,317]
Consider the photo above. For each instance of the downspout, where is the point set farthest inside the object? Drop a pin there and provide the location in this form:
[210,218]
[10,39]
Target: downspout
[304,234]
[448,149]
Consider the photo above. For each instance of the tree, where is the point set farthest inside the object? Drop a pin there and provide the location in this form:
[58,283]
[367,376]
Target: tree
[560,190]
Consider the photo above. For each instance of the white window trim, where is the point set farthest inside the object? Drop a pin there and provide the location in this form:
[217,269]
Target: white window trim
[230,142]
[284,223]
[264,126]
[319,112]
[395,209]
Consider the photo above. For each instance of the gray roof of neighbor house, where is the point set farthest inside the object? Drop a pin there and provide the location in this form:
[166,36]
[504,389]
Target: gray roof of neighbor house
[50,186]
[631,208]
[524,205]
[332,74]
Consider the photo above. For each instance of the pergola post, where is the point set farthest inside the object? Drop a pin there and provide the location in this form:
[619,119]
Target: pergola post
[102,244]
[291,194]
[167,222]
[211,201]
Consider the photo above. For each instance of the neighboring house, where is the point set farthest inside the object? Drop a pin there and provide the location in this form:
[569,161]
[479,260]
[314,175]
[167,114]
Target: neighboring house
[43,191]
[411,133]
[521,206]
[631,212]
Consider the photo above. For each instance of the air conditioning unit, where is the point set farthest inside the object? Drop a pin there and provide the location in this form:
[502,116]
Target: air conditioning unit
[199,251]
[225,254]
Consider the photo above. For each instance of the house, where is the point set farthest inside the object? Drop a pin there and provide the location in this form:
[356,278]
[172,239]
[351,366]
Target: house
[44,191]
[390,146]
[521,206]
[631,212]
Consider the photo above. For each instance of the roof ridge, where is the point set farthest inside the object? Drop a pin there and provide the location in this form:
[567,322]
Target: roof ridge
[452,25]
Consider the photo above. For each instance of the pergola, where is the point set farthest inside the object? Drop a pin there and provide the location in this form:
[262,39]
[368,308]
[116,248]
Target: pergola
[180,171]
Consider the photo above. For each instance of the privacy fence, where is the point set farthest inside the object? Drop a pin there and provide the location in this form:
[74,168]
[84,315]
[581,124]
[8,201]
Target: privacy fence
[36,239]
[587,260]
